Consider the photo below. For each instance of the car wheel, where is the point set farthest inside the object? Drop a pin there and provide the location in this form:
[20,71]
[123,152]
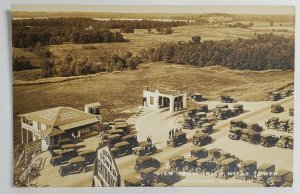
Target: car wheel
[82,170]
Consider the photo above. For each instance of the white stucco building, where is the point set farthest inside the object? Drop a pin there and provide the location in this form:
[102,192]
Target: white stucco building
[162,98]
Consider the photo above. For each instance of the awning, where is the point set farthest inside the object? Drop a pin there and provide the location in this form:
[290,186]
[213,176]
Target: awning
[50,132]
[78,124]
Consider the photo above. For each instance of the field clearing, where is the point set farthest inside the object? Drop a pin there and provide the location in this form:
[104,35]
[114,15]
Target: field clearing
[120,91]
[141,39]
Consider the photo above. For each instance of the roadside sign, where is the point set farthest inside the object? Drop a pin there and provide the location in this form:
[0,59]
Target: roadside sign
[106,173]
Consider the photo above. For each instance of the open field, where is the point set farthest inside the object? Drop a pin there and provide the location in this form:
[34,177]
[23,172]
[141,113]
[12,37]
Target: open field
[123,90]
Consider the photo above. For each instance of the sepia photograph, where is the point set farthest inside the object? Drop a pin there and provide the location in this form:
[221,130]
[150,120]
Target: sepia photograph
[153,95]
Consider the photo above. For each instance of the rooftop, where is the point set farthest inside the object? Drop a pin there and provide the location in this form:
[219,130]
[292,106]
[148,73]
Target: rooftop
[166,91]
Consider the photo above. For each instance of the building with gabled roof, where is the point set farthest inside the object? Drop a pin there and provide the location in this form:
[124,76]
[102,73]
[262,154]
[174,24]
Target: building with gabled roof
[53,124]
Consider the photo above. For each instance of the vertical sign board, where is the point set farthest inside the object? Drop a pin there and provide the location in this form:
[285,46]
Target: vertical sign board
[106,173]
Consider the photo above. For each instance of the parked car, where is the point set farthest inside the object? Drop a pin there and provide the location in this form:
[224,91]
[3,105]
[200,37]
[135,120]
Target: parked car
[190,164]
[176,163]
[227,99]
[179,138]
[274,96]
[238,123]
[131,139]
[272,123]
[291,111]
[264,172]
[75,165]
[254,137]
[237,109]
[228,168]
[121,149]
[111,140]
[146,162]
[63,156]
[199,153]
[235,133]
[214,153]
[166,176]
[284,141]
[147,176]
[282,177]
[145,149]
[201,139]
[276,108]
[206,166]
[268,140]
[248,170]
[254,127]
[207,128]
[88,154]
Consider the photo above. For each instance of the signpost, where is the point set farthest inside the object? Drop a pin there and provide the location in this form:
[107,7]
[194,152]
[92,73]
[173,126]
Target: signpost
[106,173]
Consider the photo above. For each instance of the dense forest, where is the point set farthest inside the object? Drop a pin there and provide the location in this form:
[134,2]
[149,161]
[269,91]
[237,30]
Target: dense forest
[27,33]
[266,51]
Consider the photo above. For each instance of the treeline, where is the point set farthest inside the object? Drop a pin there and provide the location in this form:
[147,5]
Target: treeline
[240,25]
[262,52]
[27,33]
[74,66]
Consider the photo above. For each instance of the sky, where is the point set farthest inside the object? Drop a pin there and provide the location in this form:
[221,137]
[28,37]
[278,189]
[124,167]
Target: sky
[158,9]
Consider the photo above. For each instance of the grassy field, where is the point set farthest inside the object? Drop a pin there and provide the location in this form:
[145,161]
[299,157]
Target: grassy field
[141,39]
[123,90]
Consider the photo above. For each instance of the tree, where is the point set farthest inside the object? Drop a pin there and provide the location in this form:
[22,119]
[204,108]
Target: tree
[196,39]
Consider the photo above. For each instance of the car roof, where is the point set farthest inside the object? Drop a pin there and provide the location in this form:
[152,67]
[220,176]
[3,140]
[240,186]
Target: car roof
[265,166]
[144,143]
[198,149]
[121,124]
[236,129]
[248,162]
[179,133]
[128,136]
[236,120]
[237,105]
[177,157]
[282,172]
[276,104]
[191,159]
[274,118]
[206,124]
[114,136]
[199,134]
[225,109]
[221,105]
[266,135]
[143,158]
[66,151]
[64,140]
[214,150]
[123,143]
[71,145]
[120,120]
[148,170]
[228,161]
[86,151]
[115,131]
[202,105]
[77,159]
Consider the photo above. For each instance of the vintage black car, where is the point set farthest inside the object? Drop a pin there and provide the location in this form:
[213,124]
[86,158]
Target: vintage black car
[248,170]
[199,153]
[201,139]
[145,149]
[254,137]
[286,93]
[214,153]
[224,113]
[147,176]
[282,178]
[176,163]
[123,125]
[235,133]
[291,143]
[59,143]
[88,154]
[254,127]
[268,140]
[146,162]
[264,172]
[179,138]
[227,99]
[203,108]
[132,182]
[121,149]
[206,128]
[237,109]
[276,108]
[166,176]
[190,164]
[274,96]
[284,141]
[189,123]
[225,155]
[111,140]
[131,139]
[283,125]
[245,133]
[62,156]
[197,97]
[272,123]
[206,166]
[238,123]
[75,165]
[228,168]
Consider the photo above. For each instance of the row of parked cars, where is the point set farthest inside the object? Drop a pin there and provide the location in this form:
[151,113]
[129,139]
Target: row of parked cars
[277,95]
[278,124]
[215,162]
[222,111]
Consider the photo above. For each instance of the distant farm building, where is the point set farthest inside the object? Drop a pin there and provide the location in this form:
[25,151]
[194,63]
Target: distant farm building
[163,98]
[53,124]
